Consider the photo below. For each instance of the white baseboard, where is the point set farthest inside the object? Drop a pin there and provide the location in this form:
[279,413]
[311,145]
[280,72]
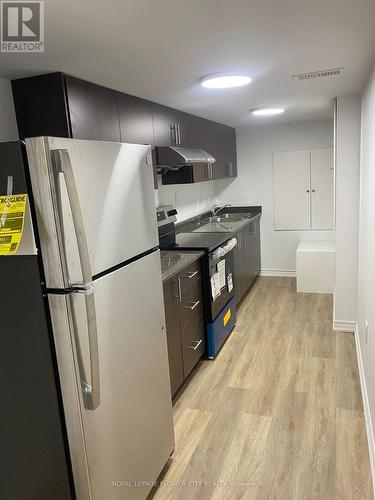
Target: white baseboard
[366,405]
[344,326]
[279,273]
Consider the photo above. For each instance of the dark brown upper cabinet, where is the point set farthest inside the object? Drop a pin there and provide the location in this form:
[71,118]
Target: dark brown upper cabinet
[224,150]
[171,127]
[60,105]
[135,117]
[93,111]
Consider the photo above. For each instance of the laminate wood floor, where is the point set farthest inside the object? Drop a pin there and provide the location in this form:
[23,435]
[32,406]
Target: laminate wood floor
[278,414]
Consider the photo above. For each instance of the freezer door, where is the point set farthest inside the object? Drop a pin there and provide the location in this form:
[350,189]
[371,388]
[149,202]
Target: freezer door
[129,436]
[94,201]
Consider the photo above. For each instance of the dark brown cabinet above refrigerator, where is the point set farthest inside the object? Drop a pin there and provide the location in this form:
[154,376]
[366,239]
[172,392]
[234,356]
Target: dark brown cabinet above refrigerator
[135,117]
[60,105]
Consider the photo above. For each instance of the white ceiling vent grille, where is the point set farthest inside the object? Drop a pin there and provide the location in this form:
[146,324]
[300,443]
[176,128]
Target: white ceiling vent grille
[317,74]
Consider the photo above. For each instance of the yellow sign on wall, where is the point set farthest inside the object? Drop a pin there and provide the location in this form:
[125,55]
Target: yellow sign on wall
[12,216]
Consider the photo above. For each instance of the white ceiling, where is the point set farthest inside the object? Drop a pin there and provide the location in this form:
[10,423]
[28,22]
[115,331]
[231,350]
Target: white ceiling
[159,49]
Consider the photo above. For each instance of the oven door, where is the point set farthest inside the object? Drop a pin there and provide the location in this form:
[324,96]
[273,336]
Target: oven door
[220,284]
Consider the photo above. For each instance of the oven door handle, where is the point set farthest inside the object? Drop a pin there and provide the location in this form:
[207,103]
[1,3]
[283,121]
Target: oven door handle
[223,250]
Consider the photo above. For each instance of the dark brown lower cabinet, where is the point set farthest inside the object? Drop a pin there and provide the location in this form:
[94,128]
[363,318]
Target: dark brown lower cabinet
[172,319]
[246,256]
[184,313]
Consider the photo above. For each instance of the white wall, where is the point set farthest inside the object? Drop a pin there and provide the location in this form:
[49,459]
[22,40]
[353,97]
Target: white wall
[366,271]
[8,126]
[255,145]
[348,128]
[189,199]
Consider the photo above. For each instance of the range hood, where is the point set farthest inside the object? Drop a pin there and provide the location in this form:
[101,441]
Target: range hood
[177,157]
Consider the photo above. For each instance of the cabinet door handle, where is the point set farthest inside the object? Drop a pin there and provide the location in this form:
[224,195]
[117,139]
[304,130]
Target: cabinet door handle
[230,169]
[171,133]
[193,306]
[179,134]
[179,290]
[307,190]
[174,137]
[190,275]
[313,190]
[198,343]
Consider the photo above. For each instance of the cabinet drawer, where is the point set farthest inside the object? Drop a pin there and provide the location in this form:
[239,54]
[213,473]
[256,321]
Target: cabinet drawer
[193,344]
[191,306]
[189,277]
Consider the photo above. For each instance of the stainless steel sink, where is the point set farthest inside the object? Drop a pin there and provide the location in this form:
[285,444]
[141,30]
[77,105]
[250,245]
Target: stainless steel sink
[229,217]
[224,222]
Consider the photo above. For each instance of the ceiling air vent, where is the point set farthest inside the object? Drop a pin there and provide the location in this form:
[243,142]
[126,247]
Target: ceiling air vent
[317,74]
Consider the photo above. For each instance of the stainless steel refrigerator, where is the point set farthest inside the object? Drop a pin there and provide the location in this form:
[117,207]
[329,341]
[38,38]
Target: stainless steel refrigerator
[98,240]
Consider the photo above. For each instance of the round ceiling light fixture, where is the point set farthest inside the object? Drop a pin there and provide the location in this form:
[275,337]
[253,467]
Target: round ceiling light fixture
[267,111]
[225,81]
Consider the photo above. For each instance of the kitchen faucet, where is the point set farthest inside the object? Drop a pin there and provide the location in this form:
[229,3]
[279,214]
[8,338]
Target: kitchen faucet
[217,208]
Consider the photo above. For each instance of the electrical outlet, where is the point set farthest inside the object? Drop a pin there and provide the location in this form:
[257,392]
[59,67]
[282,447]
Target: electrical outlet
[366,331]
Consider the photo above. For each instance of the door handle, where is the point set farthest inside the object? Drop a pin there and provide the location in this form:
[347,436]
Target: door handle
[198,343]
[193,306]
[313,190]
[179,134]
[63,169]
[191,275]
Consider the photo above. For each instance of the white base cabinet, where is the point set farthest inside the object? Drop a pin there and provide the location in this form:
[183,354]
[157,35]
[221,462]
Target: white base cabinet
[316,266]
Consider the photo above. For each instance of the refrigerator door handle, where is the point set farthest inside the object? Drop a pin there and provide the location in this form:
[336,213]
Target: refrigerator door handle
[63,168]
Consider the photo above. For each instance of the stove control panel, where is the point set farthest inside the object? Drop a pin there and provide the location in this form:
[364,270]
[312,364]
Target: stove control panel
[166,215]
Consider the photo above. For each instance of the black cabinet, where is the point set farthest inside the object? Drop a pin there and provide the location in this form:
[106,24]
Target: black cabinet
[135,117]
[93,111]
[246,257]
[184,313]
[41,106]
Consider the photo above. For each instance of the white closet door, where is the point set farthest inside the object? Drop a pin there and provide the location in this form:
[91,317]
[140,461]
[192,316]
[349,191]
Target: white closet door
[291,186]
[322,189]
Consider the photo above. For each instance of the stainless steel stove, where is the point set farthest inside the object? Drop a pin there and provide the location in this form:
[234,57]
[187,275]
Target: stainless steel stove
[220,307]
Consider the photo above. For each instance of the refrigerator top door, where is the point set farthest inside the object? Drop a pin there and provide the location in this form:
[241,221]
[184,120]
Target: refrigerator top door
[94,203]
